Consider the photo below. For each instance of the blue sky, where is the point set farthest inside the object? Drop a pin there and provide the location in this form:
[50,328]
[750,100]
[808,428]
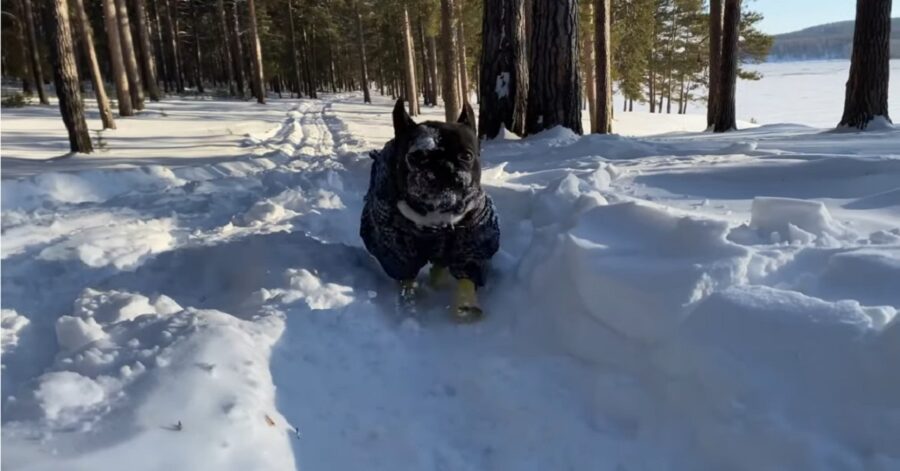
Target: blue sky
[783,16]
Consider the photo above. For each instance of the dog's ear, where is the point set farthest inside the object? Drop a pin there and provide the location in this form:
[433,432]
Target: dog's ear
[402,121]
[467,117]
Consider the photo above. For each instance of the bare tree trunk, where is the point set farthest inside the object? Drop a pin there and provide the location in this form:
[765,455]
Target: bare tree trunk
[160,46]
[554,89]
[87,40]
[256,53]
[148,65]
[135,86]
[331,74]
[309,64]
[363,64]
[715,59]
[409,66]
[35,54]
[427,84]
[172,26]
[294,61]
[26,75]
[725,115]
[587,58]
[867,87]
[65,75]
[504,69]
[461,49]
[226,46]
[239,74]
[450,55]
[432,54]
[198,54]
[602,20]
[120,78]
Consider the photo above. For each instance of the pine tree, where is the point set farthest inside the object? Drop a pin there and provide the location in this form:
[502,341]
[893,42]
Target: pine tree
[715,57]
[504,69]
[602,21]
[461,51]
[226,45]
[65,75]
[450,56]
[87,41]
[554,89]
[135,85]
[409,67]
[867,87]
[117,62]
[35,56]
[256,55]
[363,62]
[725,108]
[148,64]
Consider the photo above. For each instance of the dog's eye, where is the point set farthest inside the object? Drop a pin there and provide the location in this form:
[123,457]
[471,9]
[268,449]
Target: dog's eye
[467,156]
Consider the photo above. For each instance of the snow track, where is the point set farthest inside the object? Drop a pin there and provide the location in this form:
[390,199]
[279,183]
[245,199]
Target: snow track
[647,311]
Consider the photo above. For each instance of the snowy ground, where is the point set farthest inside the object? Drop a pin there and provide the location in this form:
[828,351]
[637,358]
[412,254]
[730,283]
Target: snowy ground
[680,302]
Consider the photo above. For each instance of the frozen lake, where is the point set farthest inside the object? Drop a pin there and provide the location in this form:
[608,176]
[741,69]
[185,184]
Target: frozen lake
[810,93]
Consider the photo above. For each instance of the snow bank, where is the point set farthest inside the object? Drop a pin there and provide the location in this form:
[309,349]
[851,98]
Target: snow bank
[12,323]
[794,221]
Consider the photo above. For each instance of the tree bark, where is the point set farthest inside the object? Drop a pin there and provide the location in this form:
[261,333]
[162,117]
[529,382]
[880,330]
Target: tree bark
[554,89]
[172,26]
[160,46]
[238,60]
[87,41]
[409,66]
[433,70]
[148,65]
[461,50]
[588,58]
[294,61]
[715,59]
[26,75]
[309,64]
[867,86]
[198,54]
[35,56]
[120,78]
[256,52]
[602,21]
[135,85]
[504,69]
[450,56]
[65,75]
[226,46]
[363,63]
[427,84]
[725,114]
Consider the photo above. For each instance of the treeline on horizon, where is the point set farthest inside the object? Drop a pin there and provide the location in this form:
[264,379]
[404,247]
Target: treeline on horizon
[827,41]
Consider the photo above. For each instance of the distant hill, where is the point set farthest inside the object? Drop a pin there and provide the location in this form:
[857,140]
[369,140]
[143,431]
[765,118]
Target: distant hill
[828,41]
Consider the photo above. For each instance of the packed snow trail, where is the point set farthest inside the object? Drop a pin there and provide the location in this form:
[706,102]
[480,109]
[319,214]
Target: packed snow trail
[647,309]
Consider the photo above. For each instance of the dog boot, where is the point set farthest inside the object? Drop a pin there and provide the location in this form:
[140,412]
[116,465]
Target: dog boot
[406,298]
[438,276]
[466,307]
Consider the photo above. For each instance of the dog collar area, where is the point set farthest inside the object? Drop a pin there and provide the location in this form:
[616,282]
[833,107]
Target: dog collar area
[432,218]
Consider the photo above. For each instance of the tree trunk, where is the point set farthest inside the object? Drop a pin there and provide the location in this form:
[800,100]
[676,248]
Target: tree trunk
[198,53]
[867,87]
[554,89]
[135,86]
[172,26]
[432,54]
[602,22]
[725,114]
[363,63]
[87,41]
[309,64]
[409,66]
[35,54]
[461,50]
[427,84]
[715,59]
[226,46]
[294,61]
[256,53]
[65,75]
[239,75]
[123,95]
[504,69]
[589,66]
[148,65]
[160,46]
[26,75]
[450,56]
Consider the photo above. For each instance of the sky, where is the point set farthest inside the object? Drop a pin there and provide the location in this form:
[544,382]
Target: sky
[784,16]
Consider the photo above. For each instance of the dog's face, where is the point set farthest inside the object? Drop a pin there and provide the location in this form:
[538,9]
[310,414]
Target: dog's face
[438,163]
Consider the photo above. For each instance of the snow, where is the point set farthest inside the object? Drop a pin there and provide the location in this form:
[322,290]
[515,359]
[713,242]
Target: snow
[682,300]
